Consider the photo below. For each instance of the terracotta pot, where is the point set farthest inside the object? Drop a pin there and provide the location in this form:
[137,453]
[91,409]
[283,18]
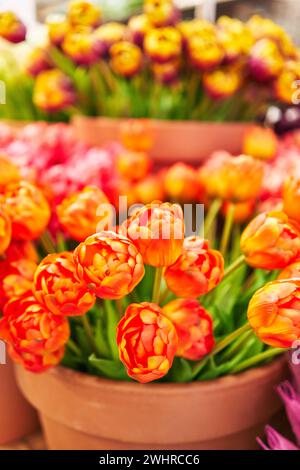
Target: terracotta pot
[17,417]
[173,140]
[79,411]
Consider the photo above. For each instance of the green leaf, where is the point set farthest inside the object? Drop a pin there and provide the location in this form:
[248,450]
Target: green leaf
[108,368]
[181,371]
[112,321]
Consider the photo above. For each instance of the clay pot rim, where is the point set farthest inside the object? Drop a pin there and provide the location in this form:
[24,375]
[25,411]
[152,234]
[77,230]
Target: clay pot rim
[240,380]
[160,122]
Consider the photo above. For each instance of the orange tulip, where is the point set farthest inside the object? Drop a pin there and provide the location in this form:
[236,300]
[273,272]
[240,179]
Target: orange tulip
[136,135]
[53,91]
[11,27]
[197,271]
[157,230]
[260,142]
[149,189]
[291,271]
[35,336]
[16,270]
[84,213]
[83,13]
[194,328]
[133,165]
[138,27]
[28,209]
[271,241]
[109,34]
[109,264]
[291,197]
[274,313]
[163,44]
[284,84]
[19,279]
[126,58]
[182,183]
[222,82]
[57,288]
[57,30]
[37,61]
[265,61]
[5,230]
[82,47]
[160,12]
[147,342]
[9,173]
[204,50]
[237,179]
[242,210]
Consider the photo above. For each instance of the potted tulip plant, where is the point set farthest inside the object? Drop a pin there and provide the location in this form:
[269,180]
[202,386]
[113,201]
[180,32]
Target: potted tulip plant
[198,81]
[195,326]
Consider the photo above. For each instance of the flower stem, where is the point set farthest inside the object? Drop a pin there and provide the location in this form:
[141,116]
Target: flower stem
[89,333]
[234,266]
[47,242]
[219,347]
[253,361]
[73,347]
[227,229]
[211,215]
[156,285]
[60,243]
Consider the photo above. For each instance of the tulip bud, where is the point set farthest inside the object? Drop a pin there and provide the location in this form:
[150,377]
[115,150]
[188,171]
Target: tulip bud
[274,313]
[53,91]
[109,264]
[182,184]
[136,135]
[163,45]
[242,210]
[11,27]
[166,73]
[109,34]
[58,28]
[271,241]
[149,189]
[265,62]
[194,328]
[85,213]
[222,175]
[36,337]
[5,230]
[161,12]
[57,288]
[28,209]
[9,173]
[260,142]
[37,61]
[147,342]
[291,197]
[205,52]
[197,271]
[223,82]
[84,13]
[157,230]
[126,59]
[133,165]
[82,48]
[284,84]
[138,27]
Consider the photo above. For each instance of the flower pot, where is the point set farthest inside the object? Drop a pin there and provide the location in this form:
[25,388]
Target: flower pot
[174,141]
[17,417]
[79,411]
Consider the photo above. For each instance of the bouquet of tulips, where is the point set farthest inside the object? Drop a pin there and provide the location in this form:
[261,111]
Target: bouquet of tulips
[157,65]
[136,298]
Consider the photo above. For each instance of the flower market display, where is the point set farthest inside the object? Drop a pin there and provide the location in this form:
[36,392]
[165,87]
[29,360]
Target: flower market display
[158,65]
